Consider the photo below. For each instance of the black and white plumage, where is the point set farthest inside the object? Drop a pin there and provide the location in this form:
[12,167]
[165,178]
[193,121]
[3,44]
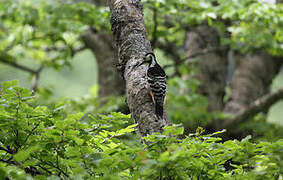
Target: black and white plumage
[156,79]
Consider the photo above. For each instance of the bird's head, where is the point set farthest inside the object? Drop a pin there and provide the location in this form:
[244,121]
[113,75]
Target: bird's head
[149,59]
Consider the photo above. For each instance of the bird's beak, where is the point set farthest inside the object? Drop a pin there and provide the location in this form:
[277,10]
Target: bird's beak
[143,63]
[145,60]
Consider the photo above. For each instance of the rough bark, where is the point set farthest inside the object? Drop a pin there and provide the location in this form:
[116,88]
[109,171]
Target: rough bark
[132,43]
[252,80]
[109,79]
[211,66]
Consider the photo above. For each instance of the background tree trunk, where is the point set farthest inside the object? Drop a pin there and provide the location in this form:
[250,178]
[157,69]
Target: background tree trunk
[132,43]
[211,66]
[101,44]
[109,79]
[252,80]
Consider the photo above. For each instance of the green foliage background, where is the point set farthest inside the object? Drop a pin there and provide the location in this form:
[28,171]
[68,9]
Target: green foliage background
[48,136]
[64,145]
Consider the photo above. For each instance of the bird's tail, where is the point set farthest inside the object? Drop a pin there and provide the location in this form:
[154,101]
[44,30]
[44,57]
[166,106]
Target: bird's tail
[159,110]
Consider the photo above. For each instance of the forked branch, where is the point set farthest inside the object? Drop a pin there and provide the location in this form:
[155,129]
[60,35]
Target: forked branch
[260,105]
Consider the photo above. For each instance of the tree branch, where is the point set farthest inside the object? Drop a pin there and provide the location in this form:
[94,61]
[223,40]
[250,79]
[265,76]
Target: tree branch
[7,59]
[18,66]
[9,162]
[195,54]
[77,50]
[132,43]
[260,105]
[6,150]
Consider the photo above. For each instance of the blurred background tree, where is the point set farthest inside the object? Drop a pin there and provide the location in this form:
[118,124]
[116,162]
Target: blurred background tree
[220,57]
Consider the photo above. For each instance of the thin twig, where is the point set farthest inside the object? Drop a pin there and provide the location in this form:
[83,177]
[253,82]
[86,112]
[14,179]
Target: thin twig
[49,172]
[54,166]
[107,139]
[61,171]
[31,132]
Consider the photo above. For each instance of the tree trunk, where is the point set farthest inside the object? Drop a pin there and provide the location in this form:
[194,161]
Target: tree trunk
[132,43]
[252,78]
[109,80]
[211,67]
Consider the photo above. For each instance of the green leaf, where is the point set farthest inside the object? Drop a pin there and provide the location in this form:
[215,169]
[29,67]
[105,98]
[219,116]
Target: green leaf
[8,84]
[23,154]
[173,130]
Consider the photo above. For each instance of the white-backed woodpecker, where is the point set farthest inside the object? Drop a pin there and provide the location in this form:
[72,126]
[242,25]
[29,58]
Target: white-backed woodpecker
[156,79]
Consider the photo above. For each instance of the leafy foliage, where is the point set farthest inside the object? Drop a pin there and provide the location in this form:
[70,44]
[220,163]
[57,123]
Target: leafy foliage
[184,104]
[43,143]
[49,32]
[244,24]
[46,32]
